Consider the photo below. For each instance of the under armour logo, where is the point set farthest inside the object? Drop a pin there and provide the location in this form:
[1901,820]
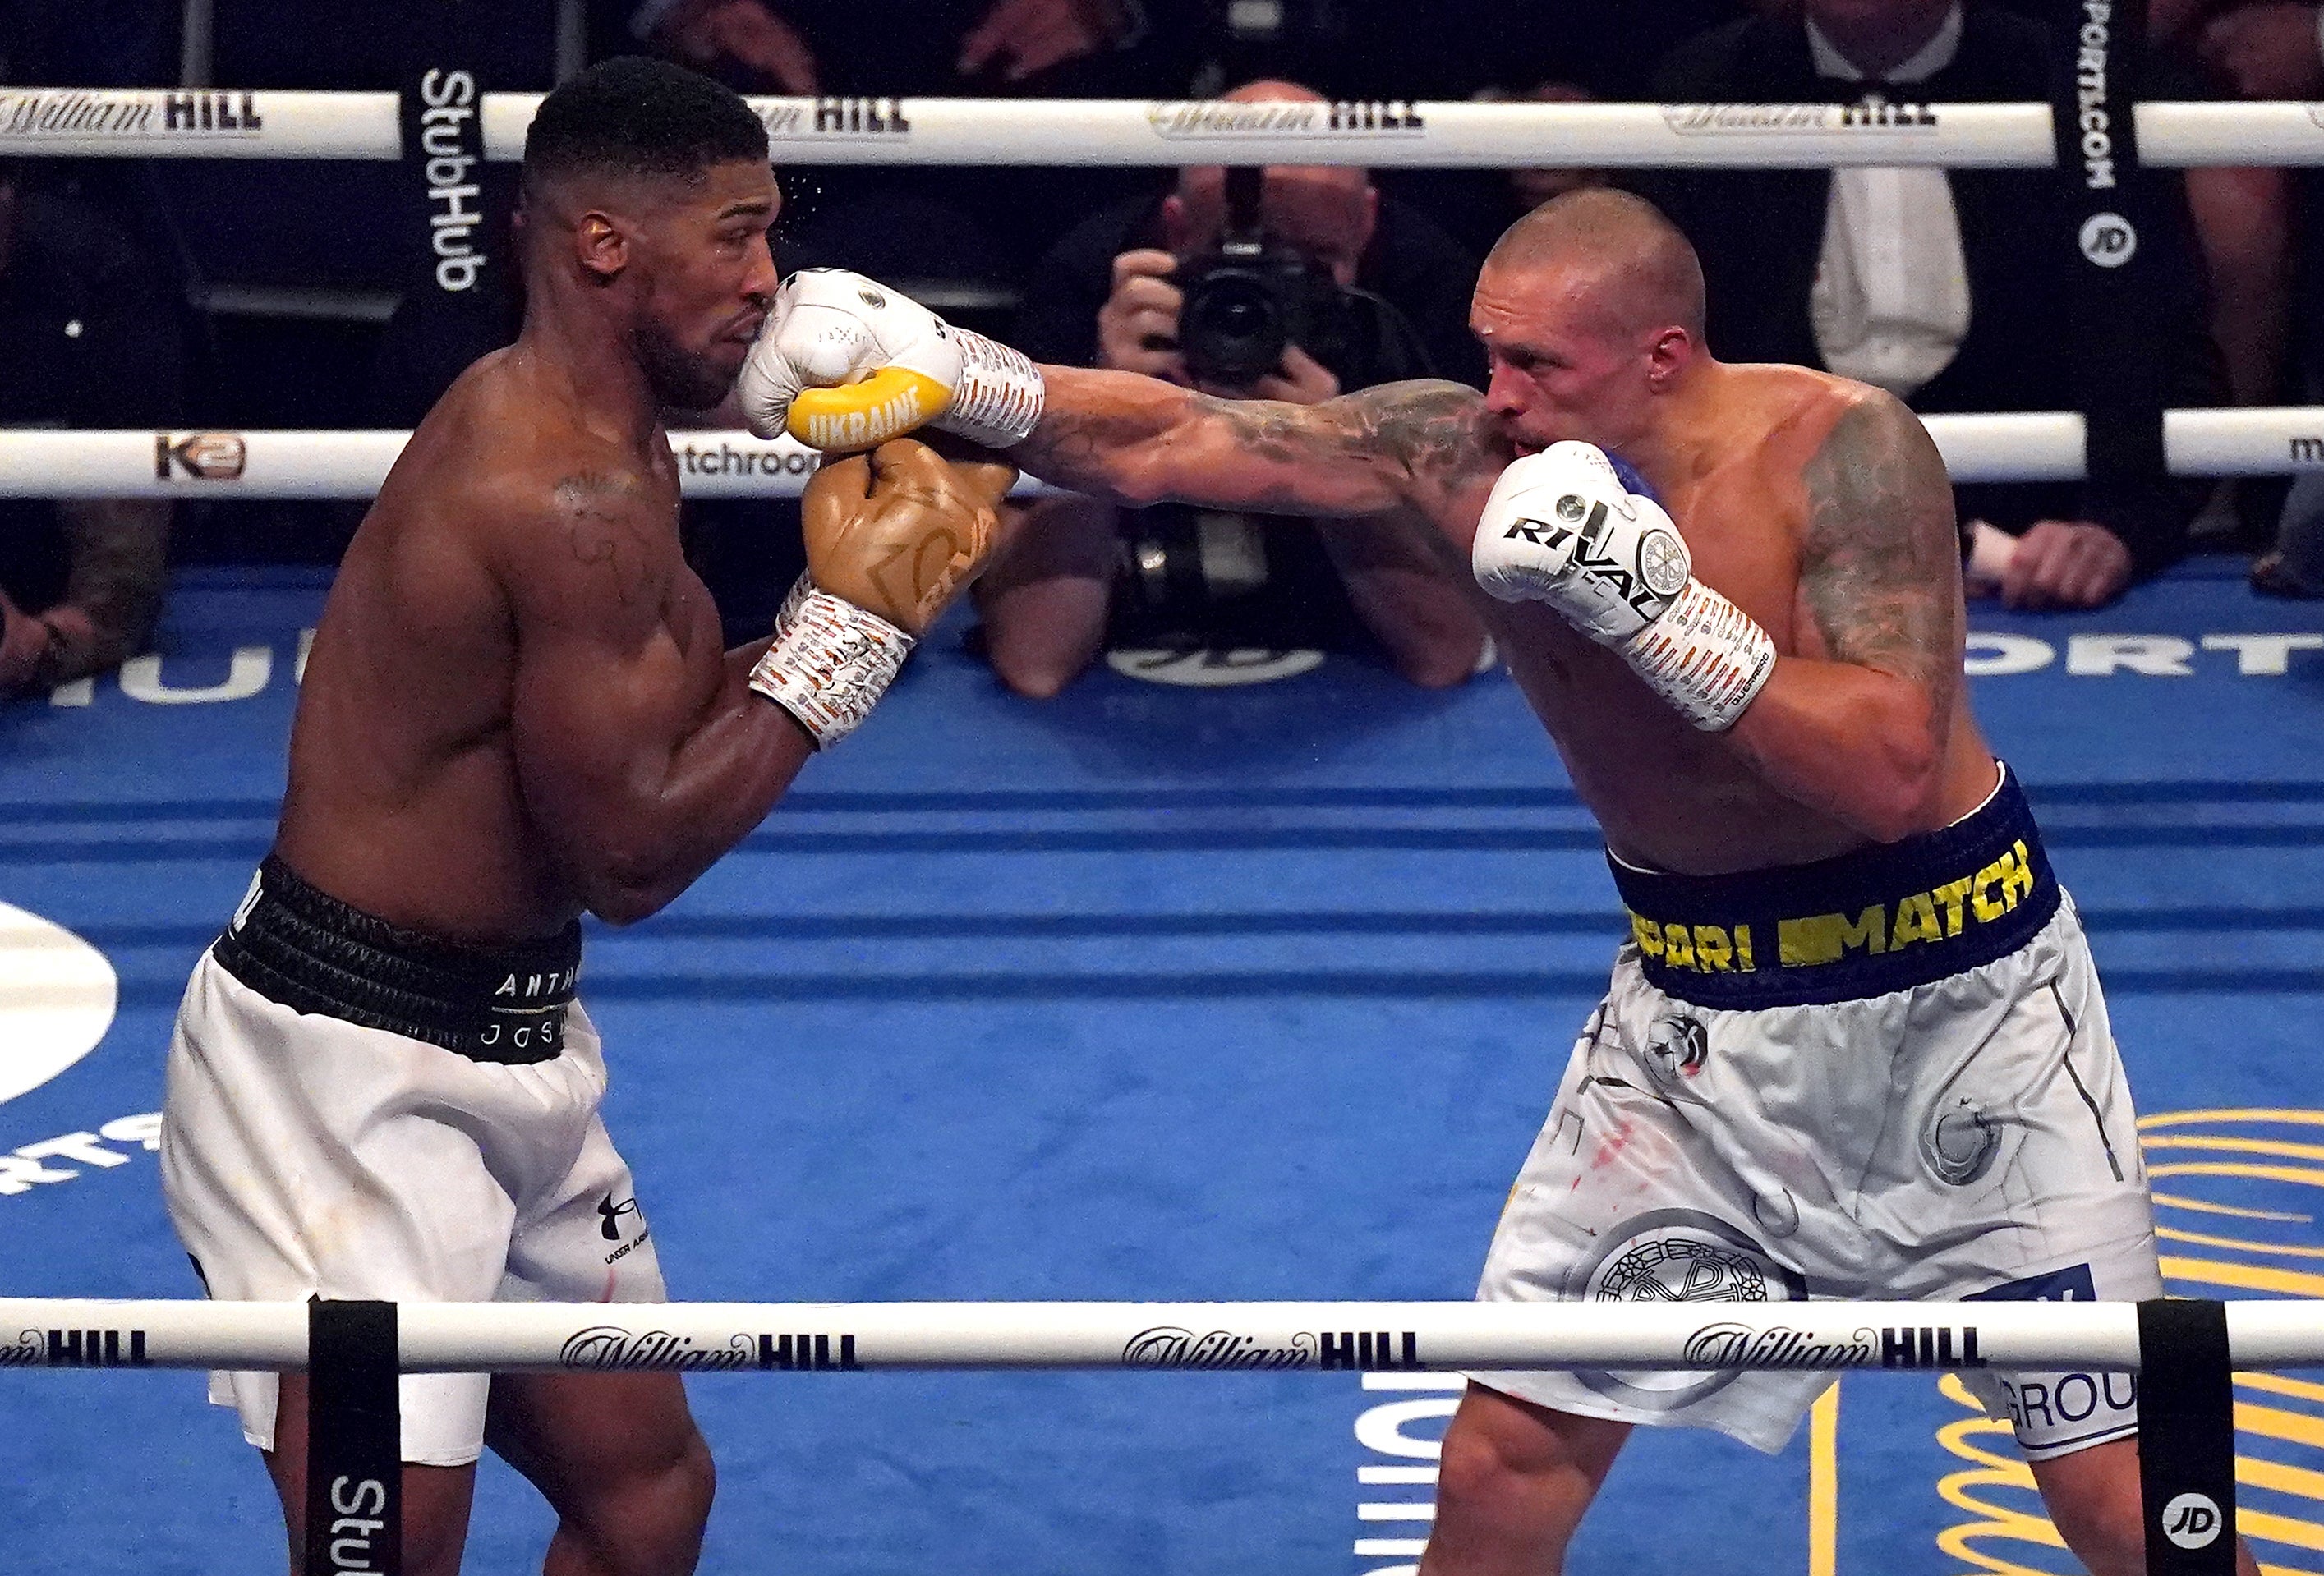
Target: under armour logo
[612,1211]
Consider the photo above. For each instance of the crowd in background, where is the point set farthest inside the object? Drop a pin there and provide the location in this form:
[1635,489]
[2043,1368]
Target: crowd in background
[242,293]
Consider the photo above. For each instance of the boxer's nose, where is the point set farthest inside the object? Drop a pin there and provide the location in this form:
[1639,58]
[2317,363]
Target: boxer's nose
[1505,393]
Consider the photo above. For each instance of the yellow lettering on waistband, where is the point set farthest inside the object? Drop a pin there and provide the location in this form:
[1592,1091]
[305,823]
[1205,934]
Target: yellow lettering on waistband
[1678,946]
[1711,949]
[1826,939]
[1950,895]
[1988,909]
[1646,934]
[1916,920]
[2019,883]
[1743,949]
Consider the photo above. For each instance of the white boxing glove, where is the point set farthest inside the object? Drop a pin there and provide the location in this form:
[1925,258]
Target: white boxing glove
[1561,529]
[844,362]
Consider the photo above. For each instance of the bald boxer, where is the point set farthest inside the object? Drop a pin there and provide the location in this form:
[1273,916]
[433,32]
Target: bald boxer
[1854,1045]
[517,711]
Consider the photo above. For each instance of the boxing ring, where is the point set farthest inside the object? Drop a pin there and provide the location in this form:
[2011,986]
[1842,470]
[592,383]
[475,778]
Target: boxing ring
[1254,992]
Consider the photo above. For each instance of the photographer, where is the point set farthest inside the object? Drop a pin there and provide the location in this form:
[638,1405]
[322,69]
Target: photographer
[1295,286]
[90,341]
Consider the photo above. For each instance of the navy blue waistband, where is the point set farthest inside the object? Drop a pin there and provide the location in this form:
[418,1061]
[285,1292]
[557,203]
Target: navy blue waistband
[1886,918]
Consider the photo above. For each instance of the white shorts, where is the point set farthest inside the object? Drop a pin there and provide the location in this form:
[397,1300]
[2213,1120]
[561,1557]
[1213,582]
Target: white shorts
[1967,1136]
[302,1155]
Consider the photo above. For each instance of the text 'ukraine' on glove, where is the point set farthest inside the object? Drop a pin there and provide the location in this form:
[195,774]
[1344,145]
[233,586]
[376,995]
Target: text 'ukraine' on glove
[892,538]
[845,362]
[1561,529]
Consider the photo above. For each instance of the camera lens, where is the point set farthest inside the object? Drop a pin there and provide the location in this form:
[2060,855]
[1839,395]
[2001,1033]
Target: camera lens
[1232,328]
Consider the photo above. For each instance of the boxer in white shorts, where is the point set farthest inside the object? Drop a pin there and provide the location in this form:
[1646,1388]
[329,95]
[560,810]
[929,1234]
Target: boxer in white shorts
[1766,1108]
[1857,1048]
[517,710]
[434,1139]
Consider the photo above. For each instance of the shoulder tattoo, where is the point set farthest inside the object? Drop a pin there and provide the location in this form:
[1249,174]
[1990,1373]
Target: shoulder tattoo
[1880,565]
[608,528]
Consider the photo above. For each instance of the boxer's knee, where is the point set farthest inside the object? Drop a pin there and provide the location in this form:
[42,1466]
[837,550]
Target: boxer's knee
[1512,1484]
[646,1521]
[434,1519]
[2107,1546]
[2093,1499]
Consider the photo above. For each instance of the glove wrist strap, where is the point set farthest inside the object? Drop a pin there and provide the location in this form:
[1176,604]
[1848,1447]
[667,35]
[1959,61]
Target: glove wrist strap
[999,399]
[830,662]
[1705,655]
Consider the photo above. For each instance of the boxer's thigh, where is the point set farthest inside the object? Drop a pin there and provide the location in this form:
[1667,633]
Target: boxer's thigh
[617,1454]
[302,1155]
[1627,1196]
[581,1235]
[2016,1175]
[435,1499]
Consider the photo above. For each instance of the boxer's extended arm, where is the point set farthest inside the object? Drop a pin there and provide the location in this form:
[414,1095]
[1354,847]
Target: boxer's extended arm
[845,362]
[1140,440]
[1861,735]
[641,761]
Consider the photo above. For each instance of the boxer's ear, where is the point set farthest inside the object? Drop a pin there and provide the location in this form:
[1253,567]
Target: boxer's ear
[601,246]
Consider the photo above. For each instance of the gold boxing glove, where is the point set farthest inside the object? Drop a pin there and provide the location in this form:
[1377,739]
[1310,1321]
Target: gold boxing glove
[892,538]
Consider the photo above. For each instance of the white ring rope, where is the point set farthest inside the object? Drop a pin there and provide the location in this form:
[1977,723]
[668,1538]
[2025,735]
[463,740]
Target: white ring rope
[210,123]
[37,463]
[1241,1337]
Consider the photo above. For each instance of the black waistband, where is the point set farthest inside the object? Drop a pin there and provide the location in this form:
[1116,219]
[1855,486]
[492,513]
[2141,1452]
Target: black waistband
[1888,918]
[314,953]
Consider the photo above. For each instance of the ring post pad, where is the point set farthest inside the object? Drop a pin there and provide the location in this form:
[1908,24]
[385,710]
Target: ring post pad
[2186,1438]
[354,1437]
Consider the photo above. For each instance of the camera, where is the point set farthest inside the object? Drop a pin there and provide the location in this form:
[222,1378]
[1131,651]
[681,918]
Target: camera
[1249,296]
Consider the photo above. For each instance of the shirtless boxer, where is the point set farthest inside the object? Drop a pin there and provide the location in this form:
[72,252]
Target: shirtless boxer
[1854,1046]
[517,711]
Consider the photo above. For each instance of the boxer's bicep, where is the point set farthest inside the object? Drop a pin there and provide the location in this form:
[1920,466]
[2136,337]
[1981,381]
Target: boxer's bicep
[601,703]
[1880,561]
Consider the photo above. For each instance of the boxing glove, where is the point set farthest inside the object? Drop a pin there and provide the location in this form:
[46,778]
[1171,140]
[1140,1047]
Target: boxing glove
[892,538]
[1561,527]
[844,363]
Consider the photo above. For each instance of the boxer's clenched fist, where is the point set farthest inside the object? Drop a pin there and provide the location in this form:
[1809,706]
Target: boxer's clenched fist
[1561,527]
[900,531]
[892,538]
[844,362]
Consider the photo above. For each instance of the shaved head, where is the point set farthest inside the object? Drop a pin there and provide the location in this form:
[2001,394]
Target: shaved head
[1617,252]
[1590,309]
[1210,180]
[1327,211]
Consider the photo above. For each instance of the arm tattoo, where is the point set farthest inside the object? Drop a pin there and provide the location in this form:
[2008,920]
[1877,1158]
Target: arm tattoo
[1437,434]
[1076,448]
[1881,568]
[1410,439]
[606,530]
